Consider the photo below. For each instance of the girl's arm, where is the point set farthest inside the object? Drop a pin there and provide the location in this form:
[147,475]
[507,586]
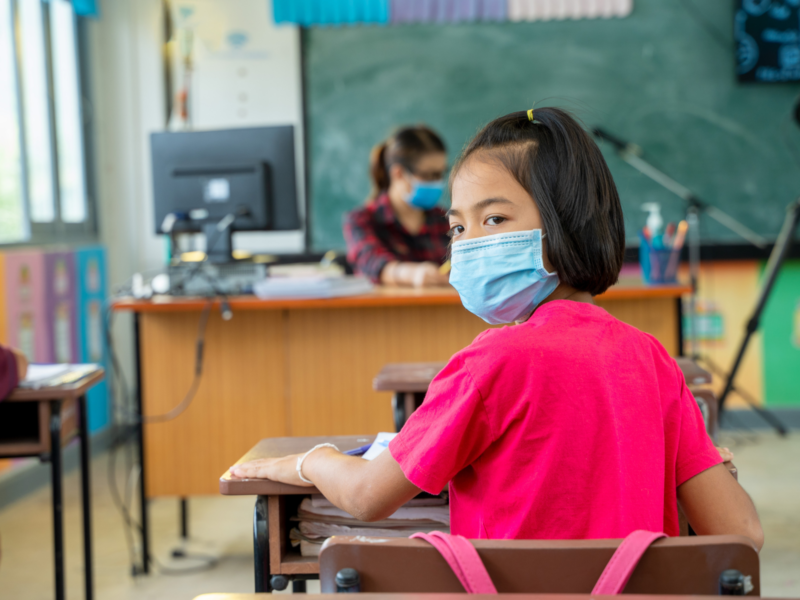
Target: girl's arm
[716,504]
[368,490]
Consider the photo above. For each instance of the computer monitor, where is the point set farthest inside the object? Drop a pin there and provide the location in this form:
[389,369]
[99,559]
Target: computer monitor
[226,180]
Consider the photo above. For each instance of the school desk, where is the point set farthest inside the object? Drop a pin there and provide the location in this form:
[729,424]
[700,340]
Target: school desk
[408,383]
[38,423]
[276,502]
[302,367]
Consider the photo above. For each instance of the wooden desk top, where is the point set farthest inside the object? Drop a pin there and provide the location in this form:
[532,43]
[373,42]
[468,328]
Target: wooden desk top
[380,297]
[59,392]
[276,448]
[416,377]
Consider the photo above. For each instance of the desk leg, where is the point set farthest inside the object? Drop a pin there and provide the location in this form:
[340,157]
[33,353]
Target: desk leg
[140,435]
[261,545]
[184,510]
[403,404]
[399,410]
[86,494]
[58,496]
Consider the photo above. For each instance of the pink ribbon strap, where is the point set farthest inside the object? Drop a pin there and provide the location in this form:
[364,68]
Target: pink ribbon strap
[463,559]
[621,566]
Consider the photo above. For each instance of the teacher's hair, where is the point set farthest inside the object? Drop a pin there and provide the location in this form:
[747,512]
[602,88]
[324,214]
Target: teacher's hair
[405,147]
[559,165]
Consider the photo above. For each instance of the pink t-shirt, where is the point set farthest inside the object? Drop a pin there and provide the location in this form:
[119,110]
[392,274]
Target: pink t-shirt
[573,425]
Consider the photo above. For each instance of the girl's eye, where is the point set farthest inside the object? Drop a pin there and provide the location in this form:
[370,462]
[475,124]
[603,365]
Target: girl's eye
[495,220]
[455,230]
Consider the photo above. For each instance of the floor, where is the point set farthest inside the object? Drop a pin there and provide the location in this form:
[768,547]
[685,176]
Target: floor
[221,529]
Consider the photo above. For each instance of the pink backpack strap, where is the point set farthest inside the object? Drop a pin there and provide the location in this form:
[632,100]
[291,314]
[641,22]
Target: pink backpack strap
[462,557]
[621,566]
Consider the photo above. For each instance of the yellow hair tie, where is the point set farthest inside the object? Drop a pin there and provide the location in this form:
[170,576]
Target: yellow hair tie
[530,115]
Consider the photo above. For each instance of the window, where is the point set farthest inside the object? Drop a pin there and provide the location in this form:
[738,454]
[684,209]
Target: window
[69,119]
[43,190]
[36,111]
[12,206]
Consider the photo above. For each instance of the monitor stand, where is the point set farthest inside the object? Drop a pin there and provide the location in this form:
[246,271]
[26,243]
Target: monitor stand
[219,244]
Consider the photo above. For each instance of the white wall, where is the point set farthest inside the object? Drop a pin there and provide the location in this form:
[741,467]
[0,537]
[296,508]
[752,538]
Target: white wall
[128,103]
[246,72]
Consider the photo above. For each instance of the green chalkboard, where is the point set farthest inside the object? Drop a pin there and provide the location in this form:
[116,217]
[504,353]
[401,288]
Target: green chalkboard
[657,78]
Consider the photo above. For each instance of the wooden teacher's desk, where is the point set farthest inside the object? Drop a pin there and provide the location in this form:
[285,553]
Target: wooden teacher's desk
[305,367]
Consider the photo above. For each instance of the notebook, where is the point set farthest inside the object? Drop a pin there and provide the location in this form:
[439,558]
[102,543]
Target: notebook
[317,286]
[41,376]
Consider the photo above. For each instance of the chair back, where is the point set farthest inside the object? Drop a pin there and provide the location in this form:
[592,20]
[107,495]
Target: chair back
[709,406]
[680,566]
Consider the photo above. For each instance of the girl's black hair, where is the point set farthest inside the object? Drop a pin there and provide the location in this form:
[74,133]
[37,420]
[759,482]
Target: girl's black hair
[405,147]
[561,167]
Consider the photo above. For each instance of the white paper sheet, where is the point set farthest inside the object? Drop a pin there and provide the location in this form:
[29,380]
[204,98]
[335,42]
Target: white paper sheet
[379,445]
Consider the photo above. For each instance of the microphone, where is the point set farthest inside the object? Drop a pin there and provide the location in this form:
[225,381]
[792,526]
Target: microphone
[796,111]
[620,145]
[171,219]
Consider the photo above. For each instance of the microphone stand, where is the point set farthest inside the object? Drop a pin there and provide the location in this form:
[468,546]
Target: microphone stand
[632,154]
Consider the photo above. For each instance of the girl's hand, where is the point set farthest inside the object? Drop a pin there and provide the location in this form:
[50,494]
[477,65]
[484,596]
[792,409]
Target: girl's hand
[427,274]
[283,470]
[727,455]
[22,363]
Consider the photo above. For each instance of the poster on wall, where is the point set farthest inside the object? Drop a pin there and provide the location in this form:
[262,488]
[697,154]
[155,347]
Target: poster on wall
[767,35]
[90,267]
[26,315]
[59,282]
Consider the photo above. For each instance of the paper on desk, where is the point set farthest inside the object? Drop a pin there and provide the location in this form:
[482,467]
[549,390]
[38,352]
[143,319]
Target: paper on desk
[311,287]
[379,445]
[37,373]
[39,376]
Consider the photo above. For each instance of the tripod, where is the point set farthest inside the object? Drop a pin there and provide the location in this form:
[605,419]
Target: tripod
[631,153]
[776,258]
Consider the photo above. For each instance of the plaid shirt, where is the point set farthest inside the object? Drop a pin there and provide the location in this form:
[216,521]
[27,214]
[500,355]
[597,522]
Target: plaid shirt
[375,237]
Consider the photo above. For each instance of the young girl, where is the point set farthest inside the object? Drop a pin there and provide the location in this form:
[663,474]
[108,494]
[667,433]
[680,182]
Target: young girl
[400,236]
[568,424]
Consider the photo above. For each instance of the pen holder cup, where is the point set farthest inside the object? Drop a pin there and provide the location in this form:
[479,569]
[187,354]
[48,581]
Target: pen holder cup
[659,266]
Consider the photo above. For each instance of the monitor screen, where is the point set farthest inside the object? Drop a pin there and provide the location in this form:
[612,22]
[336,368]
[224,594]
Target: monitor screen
[201,177]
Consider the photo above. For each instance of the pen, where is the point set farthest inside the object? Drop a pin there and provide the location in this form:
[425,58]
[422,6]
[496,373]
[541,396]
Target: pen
[677,244]
[357,451]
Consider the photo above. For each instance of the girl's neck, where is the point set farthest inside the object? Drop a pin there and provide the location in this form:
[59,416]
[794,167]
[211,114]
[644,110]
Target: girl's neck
[567,292]
[410,217]
[563,292]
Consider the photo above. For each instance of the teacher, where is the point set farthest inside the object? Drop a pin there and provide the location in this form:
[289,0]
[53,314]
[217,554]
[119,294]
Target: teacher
[400,237]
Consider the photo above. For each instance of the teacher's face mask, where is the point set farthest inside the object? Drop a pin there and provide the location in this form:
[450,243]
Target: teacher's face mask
[501,277]
[425,194]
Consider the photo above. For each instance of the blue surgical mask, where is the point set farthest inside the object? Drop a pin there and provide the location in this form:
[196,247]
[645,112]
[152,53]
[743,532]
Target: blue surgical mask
[501,278]
[425,194]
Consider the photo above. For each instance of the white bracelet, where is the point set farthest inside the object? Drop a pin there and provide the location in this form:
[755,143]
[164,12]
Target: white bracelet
[302,458]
